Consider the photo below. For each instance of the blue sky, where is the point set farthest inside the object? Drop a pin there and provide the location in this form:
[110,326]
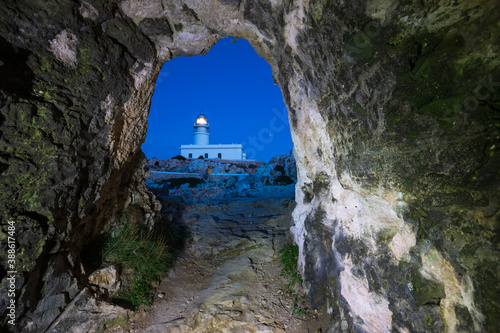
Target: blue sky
[234,88]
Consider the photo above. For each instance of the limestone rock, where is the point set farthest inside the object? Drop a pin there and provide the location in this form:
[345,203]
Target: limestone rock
[106,278]
[231,182]
[287,163]
[197,166]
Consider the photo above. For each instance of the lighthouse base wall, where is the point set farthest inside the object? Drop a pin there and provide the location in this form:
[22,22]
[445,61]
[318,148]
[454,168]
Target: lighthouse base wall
[226,152]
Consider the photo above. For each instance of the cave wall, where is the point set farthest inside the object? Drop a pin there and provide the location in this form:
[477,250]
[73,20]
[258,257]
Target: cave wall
[393,107]
[398,160]
[75,90]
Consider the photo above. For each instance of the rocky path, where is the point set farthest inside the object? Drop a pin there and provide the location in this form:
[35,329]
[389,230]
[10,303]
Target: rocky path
[228,279]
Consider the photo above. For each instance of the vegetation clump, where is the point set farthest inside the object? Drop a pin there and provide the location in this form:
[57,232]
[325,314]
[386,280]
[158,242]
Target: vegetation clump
[143,255]
[179,157]
[289,258]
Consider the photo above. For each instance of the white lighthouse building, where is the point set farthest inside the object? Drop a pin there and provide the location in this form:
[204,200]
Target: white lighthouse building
[202,147]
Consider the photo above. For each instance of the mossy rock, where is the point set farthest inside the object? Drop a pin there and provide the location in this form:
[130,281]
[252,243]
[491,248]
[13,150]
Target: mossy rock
[425,291]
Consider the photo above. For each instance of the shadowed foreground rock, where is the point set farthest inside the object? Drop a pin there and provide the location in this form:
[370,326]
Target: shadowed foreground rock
[394,114]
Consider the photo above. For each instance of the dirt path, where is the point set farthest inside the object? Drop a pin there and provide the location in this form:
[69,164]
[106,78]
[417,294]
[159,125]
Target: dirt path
[228,279]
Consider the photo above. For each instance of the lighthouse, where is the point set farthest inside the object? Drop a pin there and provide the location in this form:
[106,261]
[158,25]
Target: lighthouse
[201,133]
[201,148]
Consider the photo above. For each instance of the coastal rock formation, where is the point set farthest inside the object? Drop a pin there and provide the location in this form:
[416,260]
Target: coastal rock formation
[286,164]
[213,178]
[203,165]
[394,113]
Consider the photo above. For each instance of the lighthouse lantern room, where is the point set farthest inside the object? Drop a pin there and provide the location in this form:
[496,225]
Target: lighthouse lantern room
[200,132]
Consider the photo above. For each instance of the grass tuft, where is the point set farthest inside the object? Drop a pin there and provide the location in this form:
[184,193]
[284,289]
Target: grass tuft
[143,254]
[289,258]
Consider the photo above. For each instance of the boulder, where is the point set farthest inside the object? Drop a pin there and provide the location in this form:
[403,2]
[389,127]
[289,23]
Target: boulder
[218,169]
[242,189]
[197,166]
[106,278]
[155,164]
[287,163]
[231,182]
[265,174]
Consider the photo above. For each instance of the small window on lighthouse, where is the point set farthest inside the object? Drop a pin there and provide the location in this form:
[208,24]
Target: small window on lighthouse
[206,155]
[219,155]
[190,155]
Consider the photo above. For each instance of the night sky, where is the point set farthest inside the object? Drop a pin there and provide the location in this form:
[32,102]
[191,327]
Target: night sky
[234,88]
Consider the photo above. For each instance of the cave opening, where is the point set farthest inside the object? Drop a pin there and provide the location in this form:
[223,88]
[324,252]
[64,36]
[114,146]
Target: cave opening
[244,130]
[235,89]
[236,209]
[214,203]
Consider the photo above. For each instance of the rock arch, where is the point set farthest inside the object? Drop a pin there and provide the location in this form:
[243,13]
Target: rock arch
[391,106]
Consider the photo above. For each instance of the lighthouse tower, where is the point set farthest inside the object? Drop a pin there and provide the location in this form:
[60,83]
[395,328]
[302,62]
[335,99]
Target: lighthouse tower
[202,149]
[200,133]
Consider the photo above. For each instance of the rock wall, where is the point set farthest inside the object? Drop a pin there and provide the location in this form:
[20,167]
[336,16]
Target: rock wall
[77,78]
[395,117]
[394,113]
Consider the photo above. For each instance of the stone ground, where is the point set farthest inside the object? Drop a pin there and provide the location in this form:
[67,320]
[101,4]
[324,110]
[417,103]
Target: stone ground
[228,278]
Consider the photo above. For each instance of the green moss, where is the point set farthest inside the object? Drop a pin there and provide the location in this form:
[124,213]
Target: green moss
[465,321]
[359,109]
[427,223]
[469,250]
[85,63]
[487,286]
[359,46]
[392,116]
[289,256]
[27,182]
[307,189]
[485,177]
[114,322]
[445,110]
[45,65]
[433,75]
[321,182]
[425,291]
[179,26]
[315,11]
[397,41]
